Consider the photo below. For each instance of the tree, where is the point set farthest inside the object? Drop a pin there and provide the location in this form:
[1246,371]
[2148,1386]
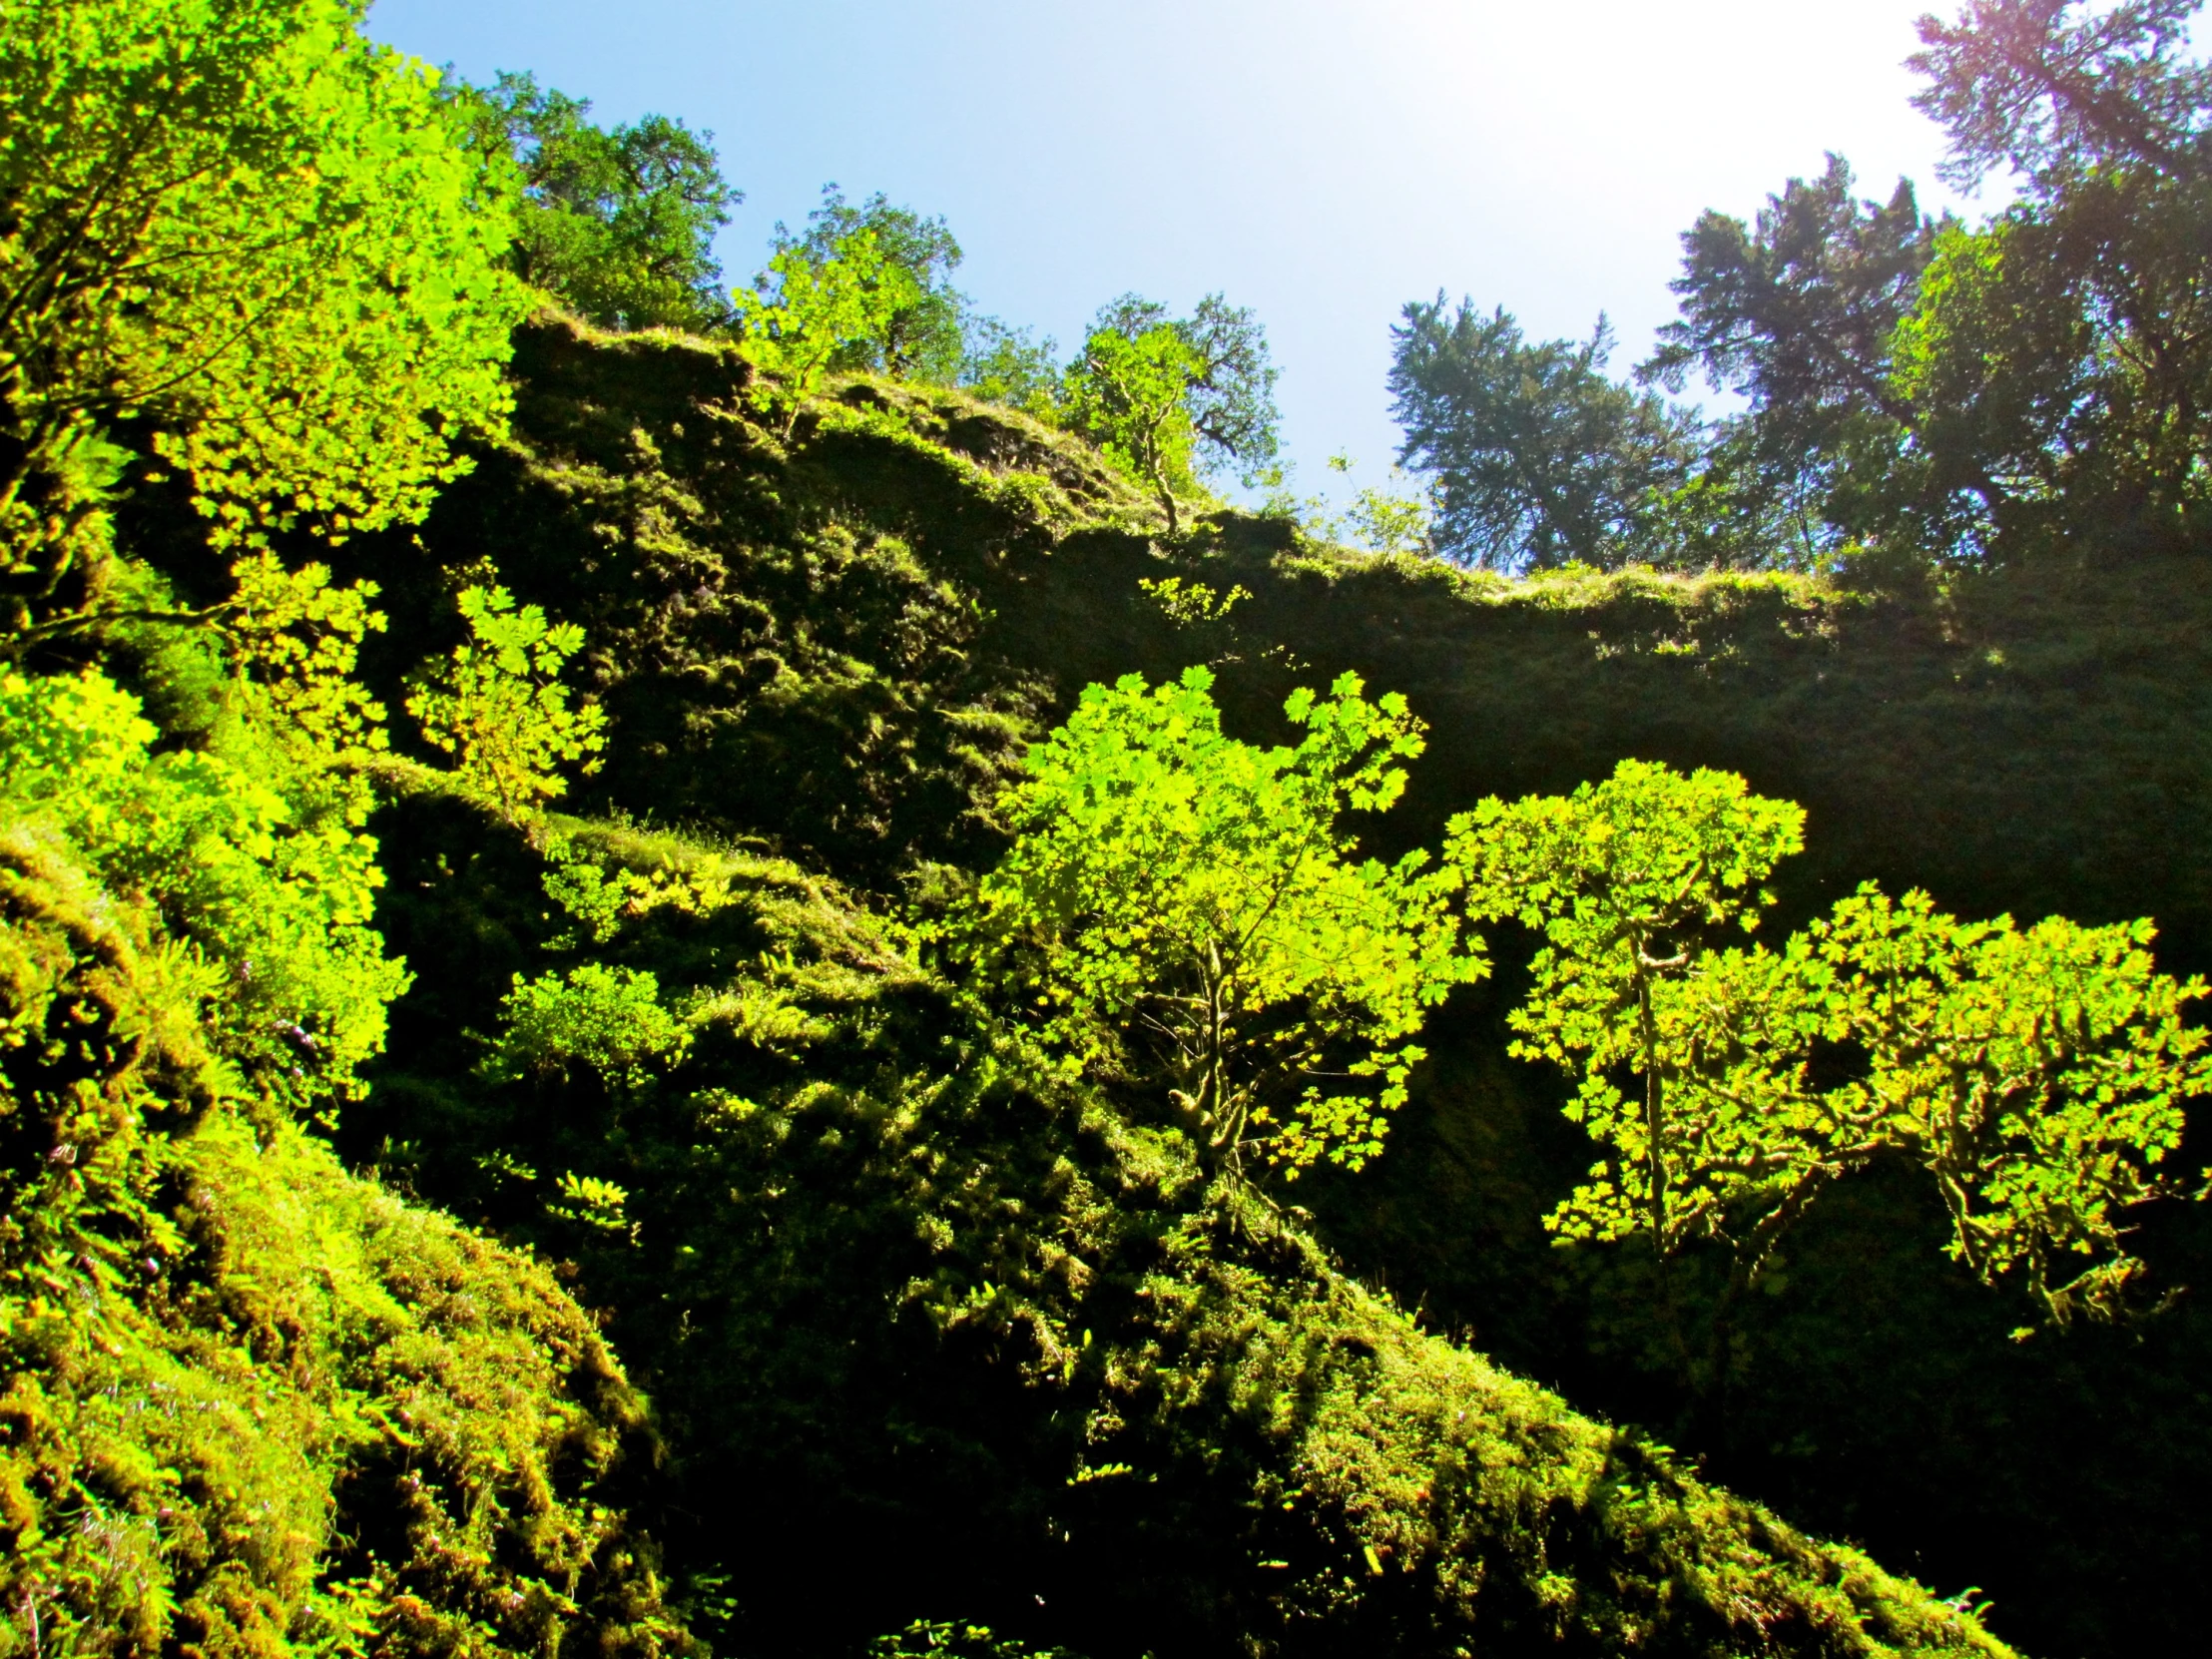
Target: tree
[2040,382]
[925,336]
[499,709]
[2035,1074]
[1131,395]
[818,314]
[2059,366]
[240,245]
[1010,365]
[1538,459]
[284,969]
[1231,395]
[1391,522]
[2021,86]
[618,225]
[1184,912]
[1795,313]
[1628,882]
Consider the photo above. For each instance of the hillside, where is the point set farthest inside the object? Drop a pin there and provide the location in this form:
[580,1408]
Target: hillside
[832,655]
[696,972]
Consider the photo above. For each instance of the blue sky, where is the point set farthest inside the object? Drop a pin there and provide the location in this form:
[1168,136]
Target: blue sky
[1322,160]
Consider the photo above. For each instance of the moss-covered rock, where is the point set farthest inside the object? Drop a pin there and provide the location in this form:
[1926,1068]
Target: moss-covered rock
[254,1404]
[935,1331]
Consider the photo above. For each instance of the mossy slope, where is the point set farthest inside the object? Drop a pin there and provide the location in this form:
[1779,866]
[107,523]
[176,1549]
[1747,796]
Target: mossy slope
[254,1404]
[932,1329]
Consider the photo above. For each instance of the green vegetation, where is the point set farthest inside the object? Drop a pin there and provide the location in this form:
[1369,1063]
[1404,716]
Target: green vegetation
[1921,388]
[900,1045]
[1538,459]
[249,237]
[618,226]
[499,709]
[1194,892]
[2038,1075]
[851,301]
[1164,398]
[1131,393]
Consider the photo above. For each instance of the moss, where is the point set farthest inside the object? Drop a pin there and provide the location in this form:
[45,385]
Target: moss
[1407,1493]
[902,1288]
[868,1239]
[255,1404]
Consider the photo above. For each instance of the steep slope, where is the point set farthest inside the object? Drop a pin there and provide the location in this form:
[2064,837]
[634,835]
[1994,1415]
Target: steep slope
[936,1332]
[861,1239]
[253,1403]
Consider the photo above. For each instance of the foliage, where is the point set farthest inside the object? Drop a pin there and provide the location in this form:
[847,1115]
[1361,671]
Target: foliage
[2036,1075]
[1390,521]
[275,908]
[599,896]
[821,311]
[608,1018]
[1538,459]
[1794,314]
[826,676]
[296,639]
[499,709]
[1190,604]
[617,224]
[252,1402]
[2056,364]
[1131,395]
[1972,395]
[242,242]
[1010,367]
[952,1639]
[800,650]
[1627,882]
[1195,891]
[924,333]
[900,1282]
[2025,86]
[1229,397]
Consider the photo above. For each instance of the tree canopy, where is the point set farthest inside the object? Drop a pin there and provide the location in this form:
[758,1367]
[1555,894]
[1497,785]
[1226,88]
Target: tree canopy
[1188,913]
[2036,1074]
[240,245]
[924,338]
[1538,460]
[619,224]
[804,315]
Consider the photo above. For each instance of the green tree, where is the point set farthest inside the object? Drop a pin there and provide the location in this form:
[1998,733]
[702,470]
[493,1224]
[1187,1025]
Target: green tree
[1628,882]
[283,968]
[1131,395]
[239,244]
[2058,366]
[2037,382]
[1186,911]
[498,708]
[1009,366]
[802,316]
[924,338]
[2052,86]
[1795,313]
[610,1019]
[1389,521]
[1231,395]
[617,224]
[1538,459]
[2038,1075]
